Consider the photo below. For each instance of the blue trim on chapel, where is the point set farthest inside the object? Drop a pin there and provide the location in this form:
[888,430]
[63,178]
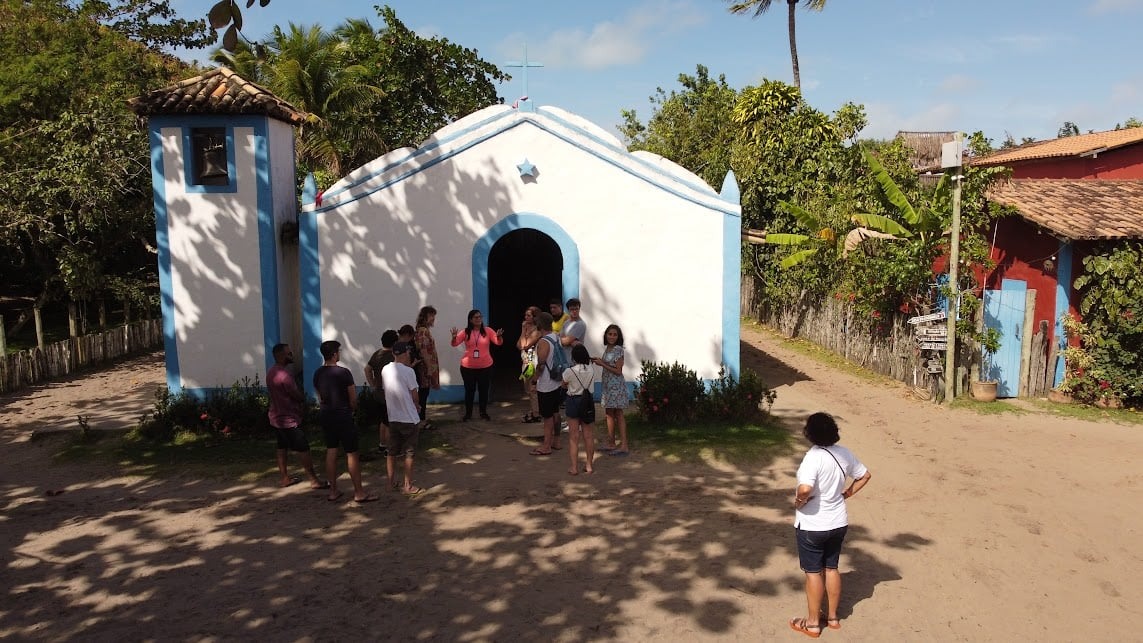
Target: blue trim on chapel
[519,221]
[731,279]
[663,180]
[163,243]
[231,185]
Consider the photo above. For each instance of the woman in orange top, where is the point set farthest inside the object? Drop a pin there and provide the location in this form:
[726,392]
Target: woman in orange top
[476,365]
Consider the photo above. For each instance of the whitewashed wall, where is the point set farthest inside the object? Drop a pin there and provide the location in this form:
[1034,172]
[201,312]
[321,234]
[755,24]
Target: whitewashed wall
[400,233]
[221,271]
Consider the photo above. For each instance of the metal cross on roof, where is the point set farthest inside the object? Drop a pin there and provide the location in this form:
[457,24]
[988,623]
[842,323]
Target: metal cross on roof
[524,65]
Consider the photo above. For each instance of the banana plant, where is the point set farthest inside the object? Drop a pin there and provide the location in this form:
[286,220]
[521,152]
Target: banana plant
[822,234]
[923,222]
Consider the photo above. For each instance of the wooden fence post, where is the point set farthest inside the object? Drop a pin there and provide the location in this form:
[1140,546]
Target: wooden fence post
[73,337]
[3,339]
[39,327]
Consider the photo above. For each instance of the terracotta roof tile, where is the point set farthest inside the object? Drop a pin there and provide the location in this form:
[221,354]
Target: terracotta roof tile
[1066,146]
[1077,209]
[218,91]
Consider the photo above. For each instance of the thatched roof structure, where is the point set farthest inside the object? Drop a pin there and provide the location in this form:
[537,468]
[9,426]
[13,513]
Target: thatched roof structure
[926,147]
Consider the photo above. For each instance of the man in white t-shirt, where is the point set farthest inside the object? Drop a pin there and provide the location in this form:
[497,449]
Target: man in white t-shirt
[401,399]
[549,390]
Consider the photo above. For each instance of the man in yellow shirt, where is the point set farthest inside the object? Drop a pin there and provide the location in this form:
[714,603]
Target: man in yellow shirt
[556,308]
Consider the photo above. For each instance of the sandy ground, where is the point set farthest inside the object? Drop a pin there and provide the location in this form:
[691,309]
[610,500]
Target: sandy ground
[973,528]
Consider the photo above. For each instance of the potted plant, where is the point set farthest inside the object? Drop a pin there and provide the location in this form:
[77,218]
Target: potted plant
[985,389]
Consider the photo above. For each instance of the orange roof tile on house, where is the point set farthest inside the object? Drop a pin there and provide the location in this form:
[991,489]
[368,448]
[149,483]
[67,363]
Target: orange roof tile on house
[218,91]
[1077,209]
[1080,145]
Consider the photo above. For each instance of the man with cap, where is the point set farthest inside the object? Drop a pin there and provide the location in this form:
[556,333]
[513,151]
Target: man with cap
[402,399]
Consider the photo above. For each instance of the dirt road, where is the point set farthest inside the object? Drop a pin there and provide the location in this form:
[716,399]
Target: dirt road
[973,528]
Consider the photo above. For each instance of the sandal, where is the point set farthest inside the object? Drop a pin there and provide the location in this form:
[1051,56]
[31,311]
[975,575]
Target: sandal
[799,625]
[540,452]
[833,623]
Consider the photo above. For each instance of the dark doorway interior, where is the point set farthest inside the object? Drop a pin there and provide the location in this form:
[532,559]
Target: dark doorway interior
[525,268]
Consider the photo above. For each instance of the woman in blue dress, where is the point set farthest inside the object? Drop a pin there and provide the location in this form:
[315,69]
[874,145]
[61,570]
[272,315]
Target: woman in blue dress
[614,389]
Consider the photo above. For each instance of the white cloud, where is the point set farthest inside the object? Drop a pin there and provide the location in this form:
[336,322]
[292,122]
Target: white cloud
[428,31]
[611,43]
[957,83]
[1112,6]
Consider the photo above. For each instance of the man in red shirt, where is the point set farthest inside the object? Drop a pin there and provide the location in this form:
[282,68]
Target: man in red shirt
[287,405]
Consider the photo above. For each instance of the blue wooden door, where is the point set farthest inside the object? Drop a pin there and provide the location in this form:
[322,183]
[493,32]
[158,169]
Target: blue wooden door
[1004,311]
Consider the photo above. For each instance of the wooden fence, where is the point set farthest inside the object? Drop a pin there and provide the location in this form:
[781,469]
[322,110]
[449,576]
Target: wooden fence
[835,326]
[58,359]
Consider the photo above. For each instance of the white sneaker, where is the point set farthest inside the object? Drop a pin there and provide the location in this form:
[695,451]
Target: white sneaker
[563,427]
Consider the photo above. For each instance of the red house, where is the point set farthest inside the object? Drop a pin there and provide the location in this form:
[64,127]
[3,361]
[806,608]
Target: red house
[1069,193]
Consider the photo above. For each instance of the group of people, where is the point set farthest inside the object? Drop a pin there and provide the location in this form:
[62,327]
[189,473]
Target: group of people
[401,372]
[557,369]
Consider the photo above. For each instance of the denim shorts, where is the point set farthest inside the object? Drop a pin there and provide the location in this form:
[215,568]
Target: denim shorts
[819,549]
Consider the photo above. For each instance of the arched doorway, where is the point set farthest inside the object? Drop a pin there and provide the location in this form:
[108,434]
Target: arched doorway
[525,268]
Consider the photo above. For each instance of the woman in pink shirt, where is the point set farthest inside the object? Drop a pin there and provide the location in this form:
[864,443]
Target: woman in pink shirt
[476,365]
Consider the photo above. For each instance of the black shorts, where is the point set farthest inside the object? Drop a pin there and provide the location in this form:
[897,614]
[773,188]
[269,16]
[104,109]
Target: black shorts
[338,429]
[403,438]
[549,402]
[293,439]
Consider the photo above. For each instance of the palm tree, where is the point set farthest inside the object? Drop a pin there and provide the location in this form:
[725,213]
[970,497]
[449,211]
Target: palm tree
[309,69]
[760,7]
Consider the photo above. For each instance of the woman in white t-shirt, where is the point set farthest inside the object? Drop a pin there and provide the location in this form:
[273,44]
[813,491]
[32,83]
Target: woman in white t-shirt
[820,518]
[580,408]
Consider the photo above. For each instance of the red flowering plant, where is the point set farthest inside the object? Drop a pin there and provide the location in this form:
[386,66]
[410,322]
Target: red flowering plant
[739,401]
[669,393]
[238,410]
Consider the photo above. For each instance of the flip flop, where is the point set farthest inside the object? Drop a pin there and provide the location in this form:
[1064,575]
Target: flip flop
[413,491]
[369,498]
[293,481]
[799,625]
[618,453]
[833,623]
[335,498]
[540,452]
[556,447]
[322,484]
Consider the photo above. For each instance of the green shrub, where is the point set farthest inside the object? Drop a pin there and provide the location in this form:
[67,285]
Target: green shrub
[738,401]
[238,410]
[673,394]
[669,394]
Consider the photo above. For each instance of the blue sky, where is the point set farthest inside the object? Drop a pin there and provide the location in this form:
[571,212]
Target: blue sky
[1003,66]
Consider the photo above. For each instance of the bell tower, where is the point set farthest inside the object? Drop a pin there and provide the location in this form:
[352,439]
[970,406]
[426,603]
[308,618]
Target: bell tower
[223,175]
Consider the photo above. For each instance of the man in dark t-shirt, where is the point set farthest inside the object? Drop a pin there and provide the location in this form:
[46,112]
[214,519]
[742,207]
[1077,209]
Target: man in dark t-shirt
[380,358]
[338,398]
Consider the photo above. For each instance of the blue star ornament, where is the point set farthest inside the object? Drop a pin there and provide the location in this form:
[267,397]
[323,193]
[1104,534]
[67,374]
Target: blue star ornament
[527,169]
